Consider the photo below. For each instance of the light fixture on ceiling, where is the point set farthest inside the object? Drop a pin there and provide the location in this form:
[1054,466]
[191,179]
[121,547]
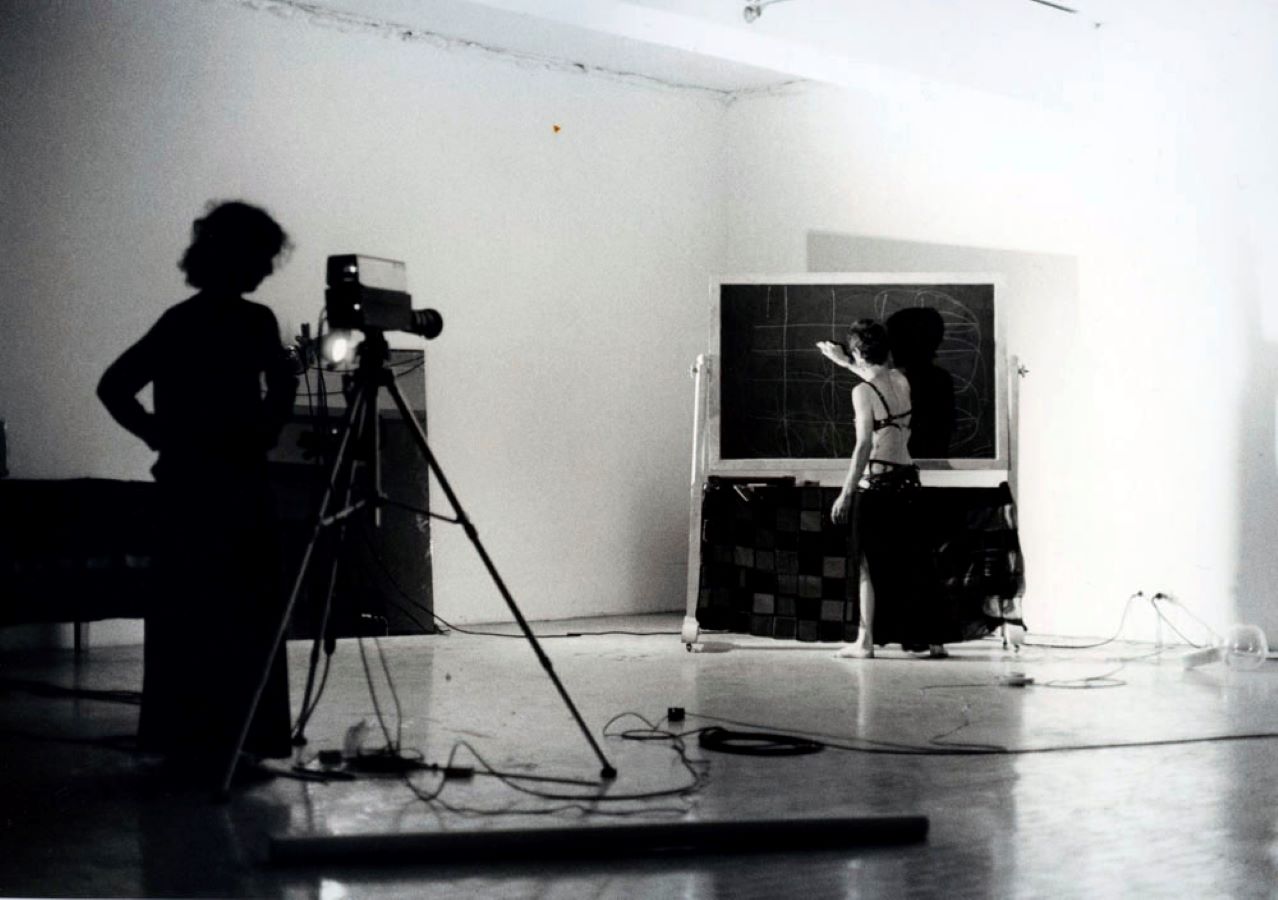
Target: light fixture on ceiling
[752,11]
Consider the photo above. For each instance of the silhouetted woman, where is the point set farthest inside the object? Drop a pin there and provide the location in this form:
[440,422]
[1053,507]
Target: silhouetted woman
[899,596]
[222,390]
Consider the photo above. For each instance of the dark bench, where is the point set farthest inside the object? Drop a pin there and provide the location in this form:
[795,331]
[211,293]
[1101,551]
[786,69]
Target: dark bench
[76,550]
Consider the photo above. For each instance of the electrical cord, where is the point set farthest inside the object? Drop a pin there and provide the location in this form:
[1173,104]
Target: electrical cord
[1166,598]
[898,749]
[583,809]
[400,367]
[127,743]
[939,739]
[756,743]
[306,383]
[308,709]
[653,732]
[576,801]
[1109,640]
[392,744]
[723,740]
[44,689]
[1105,680]
[1154,601]
[568,634]
[389,574]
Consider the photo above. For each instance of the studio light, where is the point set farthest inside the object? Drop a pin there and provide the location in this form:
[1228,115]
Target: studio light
[337,347]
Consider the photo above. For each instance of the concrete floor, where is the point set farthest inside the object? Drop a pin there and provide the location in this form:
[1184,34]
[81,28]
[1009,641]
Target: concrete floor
[1188,812]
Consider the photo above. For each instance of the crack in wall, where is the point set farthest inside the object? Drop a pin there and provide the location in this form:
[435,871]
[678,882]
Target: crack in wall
[317,14]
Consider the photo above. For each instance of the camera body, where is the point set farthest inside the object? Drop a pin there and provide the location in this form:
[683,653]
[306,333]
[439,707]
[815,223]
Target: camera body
[368,293]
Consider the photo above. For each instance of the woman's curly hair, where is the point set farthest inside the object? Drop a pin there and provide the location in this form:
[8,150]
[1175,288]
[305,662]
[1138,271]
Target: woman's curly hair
[872,338]
[233,247]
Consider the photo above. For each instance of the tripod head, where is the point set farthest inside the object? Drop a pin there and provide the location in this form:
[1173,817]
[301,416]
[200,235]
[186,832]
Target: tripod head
[373,352]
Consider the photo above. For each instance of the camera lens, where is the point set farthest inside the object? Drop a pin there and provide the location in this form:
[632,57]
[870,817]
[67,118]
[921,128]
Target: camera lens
[428,323]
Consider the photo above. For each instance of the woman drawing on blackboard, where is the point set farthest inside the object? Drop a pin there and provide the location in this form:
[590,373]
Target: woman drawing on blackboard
[208,636]
[898,594]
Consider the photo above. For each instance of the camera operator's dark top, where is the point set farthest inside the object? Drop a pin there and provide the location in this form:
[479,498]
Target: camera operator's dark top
[208,358]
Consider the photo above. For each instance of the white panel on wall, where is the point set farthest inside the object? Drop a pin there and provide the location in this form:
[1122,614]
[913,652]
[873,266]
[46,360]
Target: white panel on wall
[1141,465]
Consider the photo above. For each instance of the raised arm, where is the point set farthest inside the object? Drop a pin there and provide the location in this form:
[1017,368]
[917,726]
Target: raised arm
[835,354]
[860,454]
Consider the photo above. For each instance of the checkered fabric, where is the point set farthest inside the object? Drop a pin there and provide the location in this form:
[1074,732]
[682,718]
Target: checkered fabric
[773,564]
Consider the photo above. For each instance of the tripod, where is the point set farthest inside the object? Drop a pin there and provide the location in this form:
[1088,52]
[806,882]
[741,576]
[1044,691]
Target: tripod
[371,376]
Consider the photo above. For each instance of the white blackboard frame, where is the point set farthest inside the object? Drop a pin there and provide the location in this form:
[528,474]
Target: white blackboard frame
[934,472]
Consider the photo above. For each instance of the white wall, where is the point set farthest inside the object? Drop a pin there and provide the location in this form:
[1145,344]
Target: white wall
[570,266]
[1147,421]
[571,269]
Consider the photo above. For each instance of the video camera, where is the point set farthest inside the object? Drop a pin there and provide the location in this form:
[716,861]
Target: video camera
[367,293]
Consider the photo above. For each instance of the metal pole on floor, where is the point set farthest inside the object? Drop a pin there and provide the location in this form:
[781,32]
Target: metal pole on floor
[609,841]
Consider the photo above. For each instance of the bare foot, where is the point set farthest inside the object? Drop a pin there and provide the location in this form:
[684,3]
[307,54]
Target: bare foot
[937,651]
[856,651]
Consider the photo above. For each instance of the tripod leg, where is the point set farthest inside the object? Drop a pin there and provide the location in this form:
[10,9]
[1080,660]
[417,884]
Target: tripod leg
[420,439]
[374,436]
[306,707]
[341,460]
[342,484]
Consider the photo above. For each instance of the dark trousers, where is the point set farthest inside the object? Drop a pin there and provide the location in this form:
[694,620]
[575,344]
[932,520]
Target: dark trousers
[890,536]
[209,633]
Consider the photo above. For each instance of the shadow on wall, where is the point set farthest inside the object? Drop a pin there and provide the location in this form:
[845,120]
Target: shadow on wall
[1256,572]
[1048,281]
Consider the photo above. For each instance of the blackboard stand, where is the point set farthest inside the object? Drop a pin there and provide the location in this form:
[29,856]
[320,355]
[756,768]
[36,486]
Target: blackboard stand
[691,630]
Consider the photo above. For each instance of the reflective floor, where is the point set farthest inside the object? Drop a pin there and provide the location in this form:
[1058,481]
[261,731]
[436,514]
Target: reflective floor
[1028,791]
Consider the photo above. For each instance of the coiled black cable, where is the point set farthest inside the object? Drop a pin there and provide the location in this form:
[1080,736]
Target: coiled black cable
[756,743]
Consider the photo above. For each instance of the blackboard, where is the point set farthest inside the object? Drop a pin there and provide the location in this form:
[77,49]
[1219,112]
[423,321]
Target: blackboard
[779,398]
